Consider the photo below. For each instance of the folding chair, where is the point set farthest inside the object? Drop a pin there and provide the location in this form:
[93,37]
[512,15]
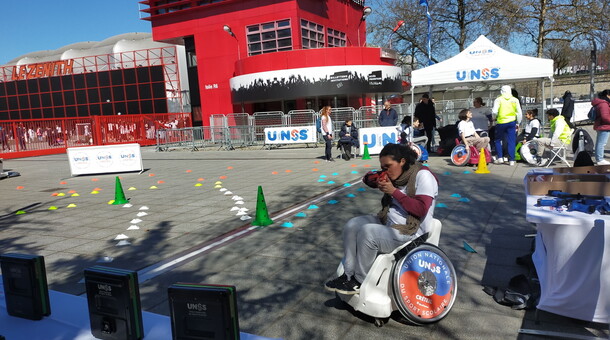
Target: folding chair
[558,152]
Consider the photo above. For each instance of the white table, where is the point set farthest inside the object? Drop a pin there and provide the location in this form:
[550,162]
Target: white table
[69,319]
[572,259]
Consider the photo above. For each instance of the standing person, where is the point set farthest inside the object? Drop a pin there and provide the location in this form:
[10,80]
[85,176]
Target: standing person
[508,114]
[425,112]
[601,125]
[568,108]
[4,140]
[407,209]
[467,132]
[481,116]
[560,134]
[388,116]
[21,136]
[327,132]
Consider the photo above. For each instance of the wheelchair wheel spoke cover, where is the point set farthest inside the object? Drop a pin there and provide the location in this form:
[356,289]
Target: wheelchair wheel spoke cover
[460,155]
[424,284]
[417,150]
[528,150]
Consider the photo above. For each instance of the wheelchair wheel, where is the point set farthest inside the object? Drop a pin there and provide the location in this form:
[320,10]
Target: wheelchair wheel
[460,155]
[416,149]
[424,285]
[528,151]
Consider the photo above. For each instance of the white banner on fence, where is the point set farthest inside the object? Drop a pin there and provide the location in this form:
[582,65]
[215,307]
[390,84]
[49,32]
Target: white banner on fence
[377,138]
[105,159]
[290,135]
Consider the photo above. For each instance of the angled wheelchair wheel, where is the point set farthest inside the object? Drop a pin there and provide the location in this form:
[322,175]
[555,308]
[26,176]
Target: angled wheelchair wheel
[460,155]
[417,150]
[528,151]
[424,285]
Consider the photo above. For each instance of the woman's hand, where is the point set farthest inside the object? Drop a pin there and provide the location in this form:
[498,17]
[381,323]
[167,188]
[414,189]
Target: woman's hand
[386,186]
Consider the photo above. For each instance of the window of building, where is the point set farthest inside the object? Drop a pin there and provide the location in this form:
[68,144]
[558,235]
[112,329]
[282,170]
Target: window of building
[269,37]
[336,38]
[312,34]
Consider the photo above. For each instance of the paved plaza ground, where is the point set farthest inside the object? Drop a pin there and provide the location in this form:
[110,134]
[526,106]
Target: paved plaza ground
[189,231]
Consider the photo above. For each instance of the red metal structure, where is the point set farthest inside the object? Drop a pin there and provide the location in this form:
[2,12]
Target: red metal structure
[274,55]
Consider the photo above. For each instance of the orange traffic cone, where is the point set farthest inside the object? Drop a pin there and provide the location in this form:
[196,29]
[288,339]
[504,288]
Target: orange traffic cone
[119,195]
[262,215]
[482,166]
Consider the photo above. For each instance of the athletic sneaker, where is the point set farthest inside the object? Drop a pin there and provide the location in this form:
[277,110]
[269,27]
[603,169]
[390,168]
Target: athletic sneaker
[349,287]
[499,161]
[511,163]
[542,162]
[331,285]
[603,162]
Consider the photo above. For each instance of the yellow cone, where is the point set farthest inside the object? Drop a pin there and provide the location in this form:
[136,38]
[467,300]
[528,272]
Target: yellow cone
[482,166]
[71,205]
[198,184]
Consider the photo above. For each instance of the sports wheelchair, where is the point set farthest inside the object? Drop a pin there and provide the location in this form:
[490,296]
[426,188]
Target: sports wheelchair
[417,279]
[460,155]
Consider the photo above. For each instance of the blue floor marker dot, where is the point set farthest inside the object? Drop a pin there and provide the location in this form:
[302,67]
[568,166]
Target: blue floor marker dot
[350,195]
[464,199]
[301,214]
[333,202]
[322,176]
[321,180]
[441,205]
[456,195]
[331,182]
[347,185]
[354,171]
[335,173]
[466,171]
[361,189]
[313,206]
[287,225]
[447,173]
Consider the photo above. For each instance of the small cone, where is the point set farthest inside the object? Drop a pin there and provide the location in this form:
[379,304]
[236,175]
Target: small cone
[482,166]
[119,195]
[366,155]
[262,215]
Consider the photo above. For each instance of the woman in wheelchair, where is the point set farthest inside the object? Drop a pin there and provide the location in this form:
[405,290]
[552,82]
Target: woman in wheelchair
[407,211]
[561,135]
[467,132]
[348,137]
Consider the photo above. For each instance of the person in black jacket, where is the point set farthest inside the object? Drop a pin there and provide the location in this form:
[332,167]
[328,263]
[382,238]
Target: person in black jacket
[348,137]
[425,112]
[568,108]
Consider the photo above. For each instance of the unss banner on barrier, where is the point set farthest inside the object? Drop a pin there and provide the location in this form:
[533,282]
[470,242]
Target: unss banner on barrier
[105,159]
[290,135]
[378,137]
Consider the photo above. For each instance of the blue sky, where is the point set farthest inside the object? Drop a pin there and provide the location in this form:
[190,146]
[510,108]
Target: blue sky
[35,25]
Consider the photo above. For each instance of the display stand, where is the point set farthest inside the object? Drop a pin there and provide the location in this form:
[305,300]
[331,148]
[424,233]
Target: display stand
[572,256]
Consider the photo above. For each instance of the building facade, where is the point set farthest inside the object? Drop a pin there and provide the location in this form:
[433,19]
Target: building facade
[274,55]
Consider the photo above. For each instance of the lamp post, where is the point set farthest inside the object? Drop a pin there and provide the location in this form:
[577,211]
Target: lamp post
[365,13]
[227,29]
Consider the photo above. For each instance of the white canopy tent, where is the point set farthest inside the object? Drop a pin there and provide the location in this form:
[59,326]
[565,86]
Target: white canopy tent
[482,63]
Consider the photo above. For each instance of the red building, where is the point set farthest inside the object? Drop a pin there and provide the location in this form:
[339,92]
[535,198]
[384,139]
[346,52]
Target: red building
[274,55]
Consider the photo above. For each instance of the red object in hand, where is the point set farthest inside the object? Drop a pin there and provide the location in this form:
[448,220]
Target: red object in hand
[383,176]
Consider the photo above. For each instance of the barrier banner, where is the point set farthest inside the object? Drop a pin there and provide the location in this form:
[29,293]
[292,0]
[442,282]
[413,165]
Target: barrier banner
[290,135]
[105,159]
[377,137]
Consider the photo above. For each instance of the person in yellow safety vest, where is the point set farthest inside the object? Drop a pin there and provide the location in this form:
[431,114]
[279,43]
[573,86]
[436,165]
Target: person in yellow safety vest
[507,111]
[561,134]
